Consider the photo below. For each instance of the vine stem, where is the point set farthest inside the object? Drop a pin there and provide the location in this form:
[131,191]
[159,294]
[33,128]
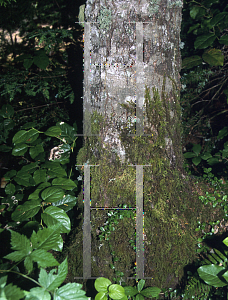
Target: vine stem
[3,271]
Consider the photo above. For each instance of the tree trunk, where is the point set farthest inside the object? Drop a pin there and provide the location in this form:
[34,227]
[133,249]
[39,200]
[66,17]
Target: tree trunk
[133,74]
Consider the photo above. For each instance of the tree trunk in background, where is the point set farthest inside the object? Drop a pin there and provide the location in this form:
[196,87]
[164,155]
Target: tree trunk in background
[133,74]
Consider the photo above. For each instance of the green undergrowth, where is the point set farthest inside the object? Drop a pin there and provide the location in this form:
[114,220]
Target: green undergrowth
[172,208]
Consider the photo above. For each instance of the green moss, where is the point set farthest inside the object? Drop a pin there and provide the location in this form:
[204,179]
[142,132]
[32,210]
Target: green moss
[171,206]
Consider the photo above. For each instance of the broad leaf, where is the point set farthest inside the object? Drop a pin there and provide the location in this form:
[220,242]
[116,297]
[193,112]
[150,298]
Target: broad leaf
[140,285]
[6,111]
[40,176]
[224,40]
[101,284]
[38,293]
[10,189]
[20,137]
[189,155]
[51,281]
[70,291]
[64,183]
[196,160]
[196,149]
[27,63]
[32,135]
[54,169]
[213,57]
[151,292]
[36,193]
[42,61]
[130,291]
[53,131]
[47,239]
[26,210]
[34,151]
[209,274]
[192,61]
[43,258]
[67,203]
[55,216]
[11,292]
[52,194]
[20,149]
[68,133]
[204,41]
[116,291]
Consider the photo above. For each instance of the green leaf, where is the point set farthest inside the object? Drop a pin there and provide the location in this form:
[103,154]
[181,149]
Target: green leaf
[213,57]
[40,176]
[28,263]
[224,40]
[26,210]
[5,148]
[222,133]
[225,241]
[38,293]
[53,131]
[225,276]
[68,133]
[189,155]
[116,291]
[64,183]
[218,18]
[209,274]
[55,216]
[70,291]
[54,169]
[52,194]
[34,151]
[10,189]
[151,292]
[140,285]
[196,160]
[204,41]
[32,135]
[101,296]
[51,281]
[206,155]
[43,258]
[213,161]
[24,178]
[10,174]
[139,297]
[20,243]
[27,63]
[130,291]
[7,111]
[67,203]
[101,284]
[41,60]
[36,193]
[47,239]
[192,61]
[196,149]
[197,12]
[20,137]
[11,292]
[20,149]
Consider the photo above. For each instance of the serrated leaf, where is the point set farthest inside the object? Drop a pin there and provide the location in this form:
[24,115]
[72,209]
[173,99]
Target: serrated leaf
[40,176]
[192,61]
[38,293]
[26,210]
[36,150]
[47,239]
[20,149]
[53,131]
[51,281]
[213,57]
[20,137]
[70,291]
[43,258]
[204,41]
[11,292]
[28,264]
[10,189]
[64,183]
[55,216]
[52,194]
[209,274]
[67,203]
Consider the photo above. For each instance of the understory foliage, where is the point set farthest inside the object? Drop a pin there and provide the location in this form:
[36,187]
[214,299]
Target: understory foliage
[39,183]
